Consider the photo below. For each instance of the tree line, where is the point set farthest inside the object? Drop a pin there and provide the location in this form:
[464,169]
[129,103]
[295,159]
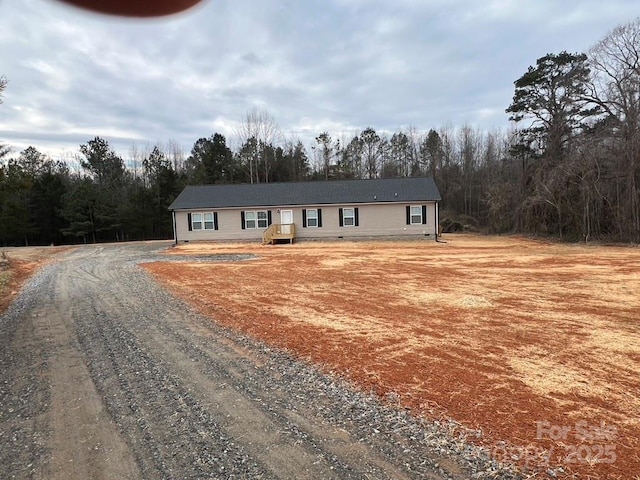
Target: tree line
[569,167]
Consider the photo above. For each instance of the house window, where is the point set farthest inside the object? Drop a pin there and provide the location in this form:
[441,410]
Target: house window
[262,219]
[348,217]
[249,219]
[312,218]
[256,219]
[203,221]
[416,215]
[209,224]
[196,221]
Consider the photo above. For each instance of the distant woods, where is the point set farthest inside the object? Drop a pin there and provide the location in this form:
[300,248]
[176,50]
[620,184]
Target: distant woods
[569,167]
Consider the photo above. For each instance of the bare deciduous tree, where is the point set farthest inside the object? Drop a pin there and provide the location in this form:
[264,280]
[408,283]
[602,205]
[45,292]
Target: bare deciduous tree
[258,124]
[615,62]
[3,85]
[175,153]
[4,149]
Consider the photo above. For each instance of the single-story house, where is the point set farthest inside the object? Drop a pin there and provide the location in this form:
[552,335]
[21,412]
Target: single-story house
[323,209]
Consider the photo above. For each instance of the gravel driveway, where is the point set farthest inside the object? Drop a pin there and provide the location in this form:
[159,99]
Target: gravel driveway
[107,376]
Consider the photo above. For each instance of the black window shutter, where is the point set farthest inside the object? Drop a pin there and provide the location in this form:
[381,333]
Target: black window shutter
[268,217]
[189,220]
[340,215]
[355,212]
[215,220]
[304,218]
[408,215]
[242,218]
[424,214]
[319,217]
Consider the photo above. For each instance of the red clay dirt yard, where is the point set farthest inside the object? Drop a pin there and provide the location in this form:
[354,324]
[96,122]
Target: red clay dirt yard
[534,347]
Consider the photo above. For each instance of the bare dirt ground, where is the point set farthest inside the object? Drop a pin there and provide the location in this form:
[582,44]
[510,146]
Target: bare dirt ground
[17,264]
[533,346]
[106,375]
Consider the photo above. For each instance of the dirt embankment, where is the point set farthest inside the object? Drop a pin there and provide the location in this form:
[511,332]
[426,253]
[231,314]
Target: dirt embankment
[17,264]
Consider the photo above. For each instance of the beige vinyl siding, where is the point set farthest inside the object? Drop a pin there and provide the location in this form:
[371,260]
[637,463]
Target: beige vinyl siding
[373,220]
[229,227]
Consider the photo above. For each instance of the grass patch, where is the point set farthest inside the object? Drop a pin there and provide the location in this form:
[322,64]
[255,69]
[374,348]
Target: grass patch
[5,277]
[6,274]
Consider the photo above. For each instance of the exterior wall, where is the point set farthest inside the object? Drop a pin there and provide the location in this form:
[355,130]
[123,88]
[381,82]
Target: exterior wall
[373,220]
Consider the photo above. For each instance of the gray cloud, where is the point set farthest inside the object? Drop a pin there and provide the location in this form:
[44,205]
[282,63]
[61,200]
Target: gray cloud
[338,66]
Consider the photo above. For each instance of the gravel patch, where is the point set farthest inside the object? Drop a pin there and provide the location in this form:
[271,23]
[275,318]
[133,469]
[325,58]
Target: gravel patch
[24,392]
[221,257]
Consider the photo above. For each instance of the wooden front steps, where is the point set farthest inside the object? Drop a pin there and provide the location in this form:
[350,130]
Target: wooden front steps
[279,231]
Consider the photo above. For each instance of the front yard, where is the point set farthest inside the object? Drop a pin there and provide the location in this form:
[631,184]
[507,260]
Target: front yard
[533,347]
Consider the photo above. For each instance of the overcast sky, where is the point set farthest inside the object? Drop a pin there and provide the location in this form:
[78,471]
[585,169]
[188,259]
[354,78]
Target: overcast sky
[314,65]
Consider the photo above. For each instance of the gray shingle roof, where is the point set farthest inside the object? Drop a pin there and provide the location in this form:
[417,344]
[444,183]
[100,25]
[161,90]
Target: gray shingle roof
[406,189]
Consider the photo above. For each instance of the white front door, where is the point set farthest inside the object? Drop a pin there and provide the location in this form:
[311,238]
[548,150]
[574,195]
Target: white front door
[286,219]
